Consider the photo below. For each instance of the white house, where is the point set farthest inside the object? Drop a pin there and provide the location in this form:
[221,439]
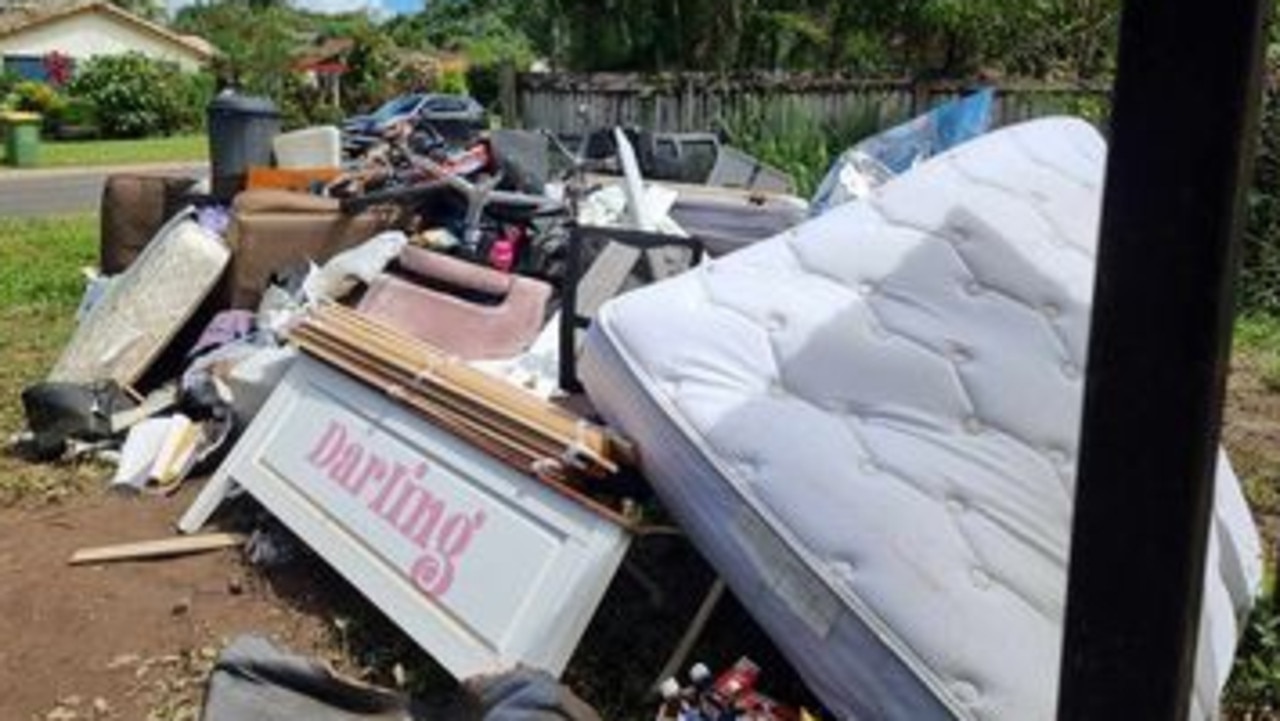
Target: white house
[82,30]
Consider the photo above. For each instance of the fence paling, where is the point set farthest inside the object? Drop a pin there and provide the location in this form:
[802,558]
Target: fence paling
[699,101]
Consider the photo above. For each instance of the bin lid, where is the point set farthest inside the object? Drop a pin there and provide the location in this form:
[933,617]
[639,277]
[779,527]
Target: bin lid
[16,117]
[243,105]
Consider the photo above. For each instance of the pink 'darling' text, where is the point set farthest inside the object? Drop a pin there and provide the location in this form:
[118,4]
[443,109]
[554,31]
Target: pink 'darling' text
[397,494]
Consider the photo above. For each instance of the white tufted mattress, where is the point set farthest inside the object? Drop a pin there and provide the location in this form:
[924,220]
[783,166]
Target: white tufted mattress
[869,426]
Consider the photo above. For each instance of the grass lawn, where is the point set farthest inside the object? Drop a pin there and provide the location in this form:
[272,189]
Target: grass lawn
[77,153]
[40,285]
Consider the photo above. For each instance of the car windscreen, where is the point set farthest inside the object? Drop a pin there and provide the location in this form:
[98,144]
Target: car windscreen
[398,106]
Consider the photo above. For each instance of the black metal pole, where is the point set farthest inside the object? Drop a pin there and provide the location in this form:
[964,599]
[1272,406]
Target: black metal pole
[1183,127]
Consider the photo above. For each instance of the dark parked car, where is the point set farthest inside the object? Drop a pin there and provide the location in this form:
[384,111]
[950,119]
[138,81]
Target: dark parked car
[455,117]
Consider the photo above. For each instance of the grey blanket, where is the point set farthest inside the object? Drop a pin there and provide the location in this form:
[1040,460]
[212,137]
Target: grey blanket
[255,681]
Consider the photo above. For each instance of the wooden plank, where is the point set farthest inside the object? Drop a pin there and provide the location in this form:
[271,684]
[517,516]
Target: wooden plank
[486,410]
[692,632]
[162,548]
[428,367]
[435,368]
[505,448]
[605,277]
[159,401]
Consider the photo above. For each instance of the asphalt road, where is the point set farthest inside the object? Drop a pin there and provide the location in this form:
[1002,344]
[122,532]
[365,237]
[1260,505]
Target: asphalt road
[52,192]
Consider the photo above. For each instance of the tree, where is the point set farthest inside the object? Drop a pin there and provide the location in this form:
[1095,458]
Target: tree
[149,9]
[913,37]
[257,42]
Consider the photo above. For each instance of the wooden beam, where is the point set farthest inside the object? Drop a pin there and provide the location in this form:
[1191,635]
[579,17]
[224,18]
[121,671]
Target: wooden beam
[162,548]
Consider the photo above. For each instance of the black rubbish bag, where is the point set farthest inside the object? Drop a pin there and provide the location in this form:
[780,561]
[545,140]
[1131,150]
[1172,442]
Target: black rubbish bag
[59,412]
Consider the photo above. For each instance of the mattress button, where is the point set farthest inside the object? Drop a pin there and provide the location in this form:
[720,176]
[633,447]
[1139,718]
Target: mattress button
[965,693]
[1071,370]
[972,425]
[776,389]
[1057,456]
[960,234]
[775,322]
[981,579]
[842,570]
[1051,310]
[869,466]
[866,289]
[959,353]
[956,505]
[974,288]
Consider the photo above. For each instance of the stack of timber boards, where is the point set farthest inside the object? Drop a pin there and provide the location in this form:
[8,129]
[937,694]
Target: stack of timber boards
[518,428]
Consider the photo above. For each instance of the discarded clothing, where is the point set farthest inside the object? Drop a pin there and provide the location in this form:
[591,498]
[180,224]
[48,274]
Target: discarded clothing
[255,681]
[226,327]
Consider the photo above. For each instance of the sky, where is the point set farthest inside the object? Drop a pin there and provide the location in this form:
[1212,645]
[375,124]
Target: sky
[334,6]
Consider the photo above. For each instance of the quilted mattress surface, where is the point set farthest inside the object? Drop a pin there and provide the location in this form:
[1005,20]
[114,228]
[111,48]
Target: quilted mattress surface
[869,425]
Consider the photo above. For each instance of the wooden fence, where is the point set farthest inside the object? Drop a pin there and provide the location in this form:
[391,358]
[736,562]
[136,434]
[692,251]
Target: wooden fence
[570,103]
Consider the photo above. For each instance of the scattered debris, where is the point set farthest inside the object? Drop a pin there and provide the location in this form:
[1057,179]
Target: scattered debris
[163,548]
[384,357]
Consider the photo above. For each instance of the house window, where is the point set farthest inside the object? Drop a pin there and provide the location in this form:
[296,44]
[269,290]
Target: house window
[27,67]
[35,67]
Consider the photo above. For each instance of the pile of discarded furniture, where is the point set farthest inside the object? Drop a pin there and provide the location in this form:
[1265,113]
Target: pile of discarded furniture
[458,370]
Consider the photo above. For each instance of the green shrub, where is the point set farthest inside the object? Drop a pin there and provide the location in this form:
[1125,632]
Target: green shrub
[36,97]
[196,91]
[453,82]
[1259,289]
[783,134]
[1255,679]
[371,65]
[303,105]
[327,114]
[135,96]
[484,82]
[8,81]
[77,119]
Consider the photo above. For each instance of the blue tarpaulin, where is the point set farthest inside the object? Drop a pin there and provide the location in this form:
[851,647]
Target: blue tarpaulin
[897,149]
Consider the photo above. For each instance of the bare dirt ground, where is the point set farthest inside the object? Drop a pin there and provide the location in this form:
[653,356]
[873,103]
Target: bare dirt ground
[128,640]
[1252,437]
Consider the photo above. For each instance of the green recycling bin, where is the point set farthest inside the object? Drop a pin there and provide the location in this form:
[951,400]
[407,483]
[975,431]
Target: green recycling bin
[22,139]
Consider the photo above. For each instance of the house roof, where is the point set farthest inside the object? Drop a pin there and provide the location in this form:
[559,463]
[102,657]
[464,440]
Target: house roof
[328,51]
[19,21]
[325,57]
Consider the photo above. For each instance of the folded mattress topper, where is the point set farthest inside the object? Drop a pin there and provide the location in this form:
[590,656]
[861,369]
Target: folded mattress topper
[878,414]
